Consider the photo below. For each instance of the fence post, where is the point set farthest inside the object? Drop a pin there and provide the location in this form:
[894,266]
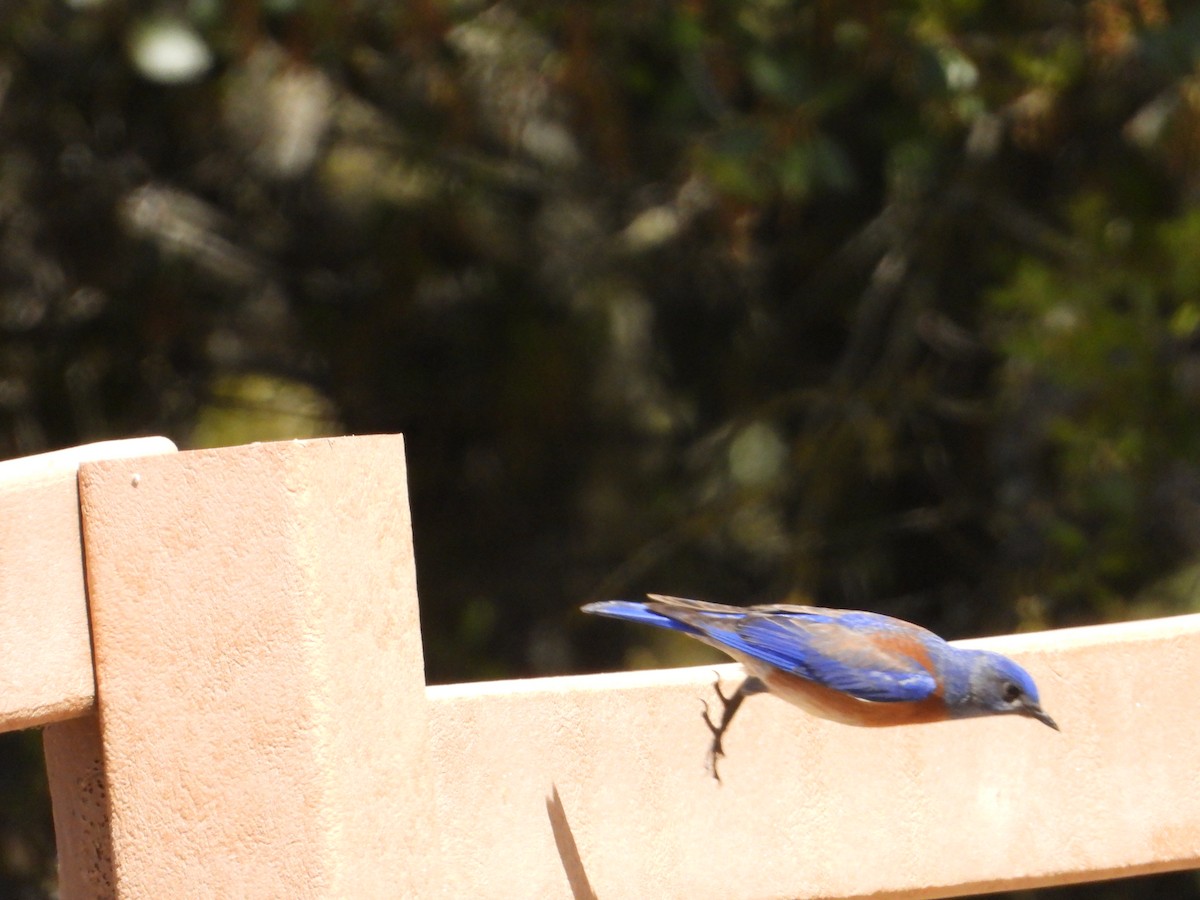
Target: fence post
[259,673]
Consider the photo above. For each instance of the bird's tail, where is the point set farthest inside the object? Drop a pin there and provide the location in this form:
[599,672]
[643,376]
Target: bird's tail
[638,611]
[689,616]
[633,610]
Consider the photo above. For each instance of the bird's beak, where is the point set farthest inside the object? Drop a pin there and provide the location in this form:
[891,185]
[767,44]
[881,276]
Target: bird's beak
[1036,712]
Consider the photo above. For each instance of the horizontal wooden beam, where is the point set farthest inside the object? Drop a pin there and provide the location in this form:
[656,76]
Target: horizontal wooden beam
[46,659]
[557,787]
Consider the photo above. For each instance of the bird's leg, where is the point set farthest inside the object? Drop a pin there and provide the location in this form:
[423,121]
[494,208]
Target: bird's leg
[729,708]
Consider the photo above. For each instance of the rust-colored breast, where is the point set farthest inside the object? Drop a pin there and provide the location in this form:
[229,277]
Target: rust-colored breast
[830,704]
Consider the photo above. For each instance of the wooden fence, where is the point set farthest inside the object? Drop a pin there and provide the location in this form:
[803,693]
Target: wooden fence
[247,716]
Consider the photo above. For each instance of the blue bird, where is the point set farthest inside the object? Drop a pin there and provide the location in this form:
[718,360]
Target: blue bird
[858,668]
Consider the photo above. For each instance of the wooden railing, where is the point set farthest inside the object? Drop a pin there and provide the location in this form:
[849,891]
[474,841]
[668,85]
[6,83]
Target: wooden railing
[248,717]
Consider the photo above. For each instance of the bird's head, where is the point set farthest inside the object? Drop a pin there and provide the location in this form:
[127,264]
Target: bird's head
[998,685]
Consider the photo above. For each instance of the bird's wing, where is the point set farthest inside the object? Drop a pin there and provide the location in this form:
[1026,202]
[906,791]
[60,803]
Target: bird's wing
[867,660]
[866,655]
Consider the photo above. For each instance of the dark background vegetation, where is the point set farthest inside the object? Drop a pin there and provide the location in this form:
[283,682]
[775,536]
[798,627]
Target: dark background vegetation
[887,305]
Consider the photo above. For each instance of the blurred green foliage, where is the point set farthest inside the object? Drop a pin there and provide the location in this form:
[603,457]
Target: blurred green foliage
[886,305]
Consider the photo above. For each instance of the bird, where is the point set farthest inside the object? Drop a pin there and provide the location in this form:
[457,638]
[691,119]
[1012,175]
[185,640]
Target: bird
[854,667]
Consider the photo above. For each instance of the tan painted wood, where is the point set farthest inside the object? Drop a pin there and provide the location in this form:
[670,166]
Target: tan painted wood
[46,673]
[79,795]
[264,729]
[45,650]
[259,673]
[810,808]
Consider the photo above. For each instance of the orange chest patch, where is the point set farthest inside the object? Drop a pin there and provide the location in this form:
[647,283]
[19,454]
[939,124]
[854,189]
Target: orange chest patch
[830,704]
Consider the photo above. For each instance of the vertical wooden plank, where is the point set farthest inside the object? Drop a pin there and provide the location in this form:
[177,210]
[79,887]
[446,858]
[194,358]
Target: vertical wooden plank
[260,681]
[75,770]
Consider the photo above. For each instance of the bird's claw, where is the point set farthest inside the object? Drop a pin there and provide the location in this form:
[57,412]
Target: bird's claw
[729,707]
[716,751]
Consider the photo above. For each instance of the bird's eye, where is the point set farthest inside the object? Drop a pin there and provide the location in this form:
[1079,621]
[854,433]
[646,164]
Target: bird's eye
[1011,693]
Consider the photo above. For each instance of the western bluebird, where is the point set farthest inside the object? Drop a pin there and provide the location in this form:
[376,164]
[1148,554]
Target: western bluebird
[859,668]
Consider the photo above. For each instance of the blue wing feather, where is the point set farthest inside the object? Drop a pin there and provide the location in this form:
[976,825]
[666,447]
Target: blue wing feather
[834,655]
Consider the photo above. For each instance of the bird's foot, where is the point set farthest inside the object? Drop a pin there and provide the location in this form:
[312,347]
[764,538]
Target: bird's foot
[729,708]
[715,751]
